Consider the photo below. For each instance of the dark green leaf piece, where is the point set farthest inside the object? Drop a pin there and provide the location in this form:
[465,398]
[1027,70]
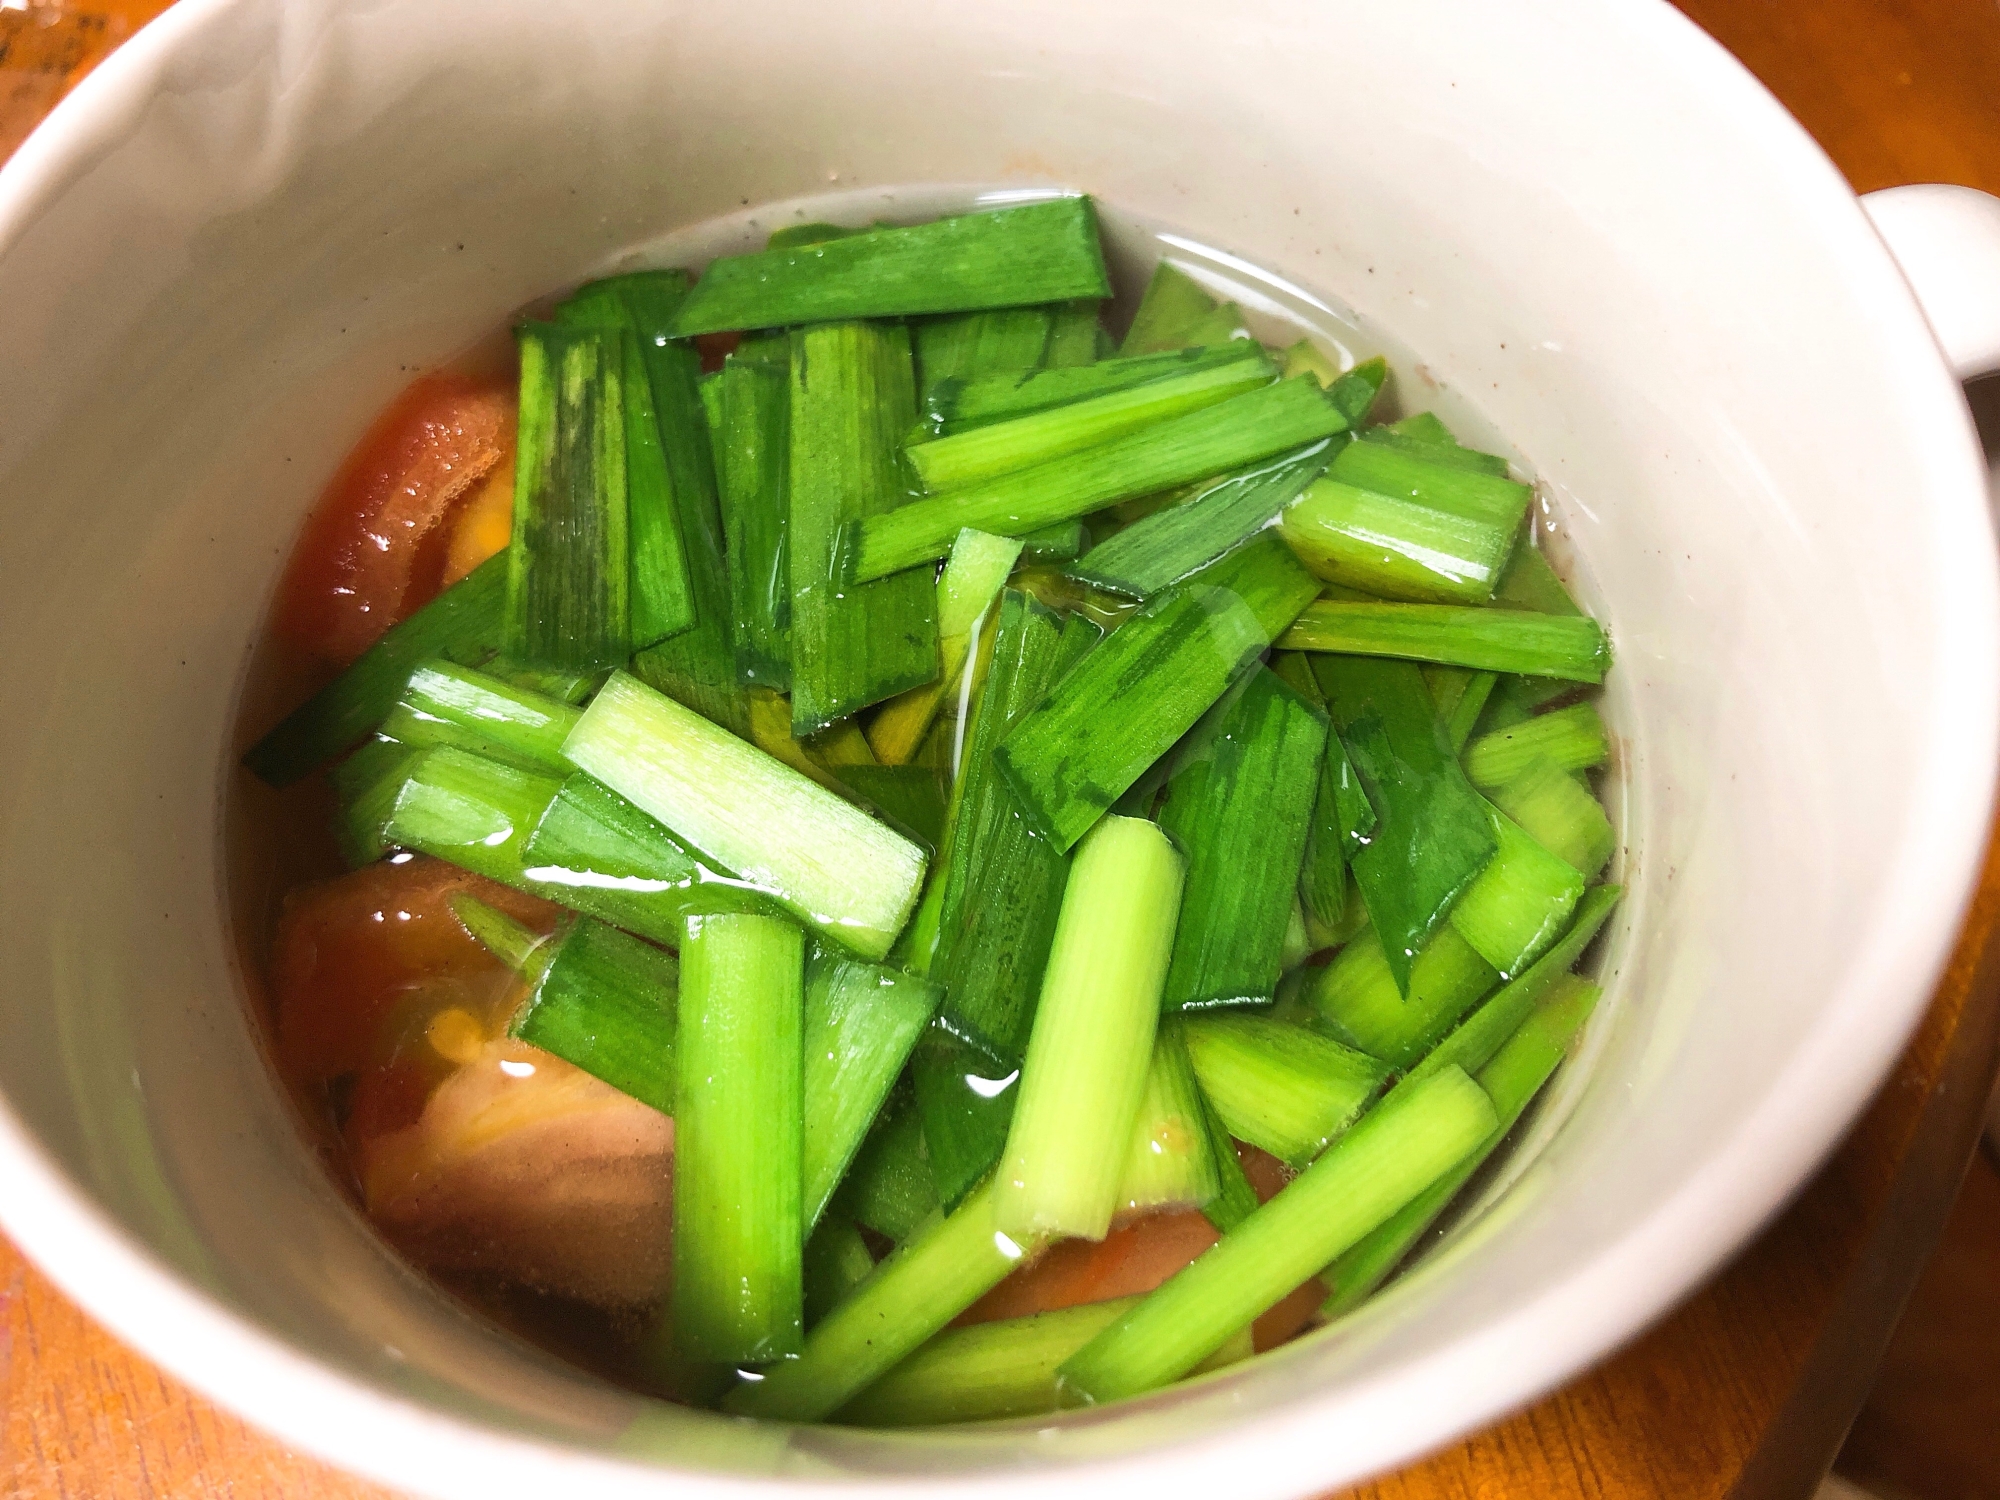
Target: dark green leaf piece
[1353,392]
[967,1101]
[753,437]
[1009,257]
[662,596]
[569,569]
[1168,545]
[888,1188]
[1175,313]
[605,1002]
[697,666]
[1420,475]
[851,400]
[861,1020]
[1433,835]
[1240,809]
[911,797]
[961,403]
[1130,700]
[968,344]
[462,624]
[1004,883]
[1232,434]
[1075,336]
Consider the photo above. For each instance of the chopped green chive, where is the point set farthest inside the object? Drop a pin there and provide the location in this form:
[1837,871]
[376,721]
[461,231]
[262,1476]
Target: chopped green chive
[1511,1080]
[1353,393]
[446,704]
[366,785]
[1235,1200]
[480,815]
[1075,336]
[738,1278]
[1060,543]
[1472,1043]
[1009,257]
[979,399]
[861,1020]
[1132,698]
[1004,882]
[982,1372]
[837,1260]
[1092,1041]
[1168,545]
[1176,313]
[1520,902]
[1559,815]
[1573,738]
[509,941]
[606,1002]
[933,1277]
[976,343]
[1395,547]
[1573,648]
[696,665]
[966,1100]
[1170,1162]
[464,623]
[852,645]
[1434,834]
[569,583]
[964,458]
[818,855]
[662,595]
[971,581]
[1359,1000]
[1386,1160]
[753,441]
[1281,1087]
[1231,434]
[1305,358]
[1240,809]
[1448,454]
[1424,478]
[888,1188]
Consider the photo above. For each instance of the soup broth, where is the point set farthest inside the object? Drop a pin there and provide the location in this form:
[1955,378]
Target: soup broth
[1002,883]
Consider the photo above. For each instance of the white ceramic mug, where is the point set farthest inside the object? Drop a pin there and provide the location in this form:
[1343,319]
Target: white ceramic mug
[232,243]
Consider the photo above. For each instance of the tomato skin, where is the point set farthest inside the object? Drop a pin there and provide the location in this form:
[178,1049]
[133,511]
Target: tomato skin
[355,569]
[1140,1256]
[1125,1262]
[356,954]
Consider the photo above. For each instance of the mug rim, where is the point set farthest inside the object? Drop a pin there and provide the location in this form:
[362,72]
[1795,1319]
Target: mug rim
[234,1360]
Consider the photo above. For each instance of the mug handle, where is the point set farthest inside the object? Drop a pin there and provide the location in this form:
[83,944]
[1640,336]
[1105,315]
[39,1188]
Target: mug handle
[1947,240]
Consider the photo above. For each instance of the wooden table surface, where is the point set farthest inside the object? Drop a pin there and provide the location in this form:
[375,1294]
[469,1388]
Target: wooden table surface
[1745,1391]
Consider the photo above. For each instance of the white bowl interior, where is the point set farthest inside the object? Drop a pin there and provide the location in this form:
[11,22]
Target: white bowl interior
[1601,239]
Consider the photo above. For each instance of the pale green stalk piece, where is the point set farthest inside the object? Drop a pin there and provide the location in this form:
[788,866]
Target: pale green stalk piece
[1092,1042]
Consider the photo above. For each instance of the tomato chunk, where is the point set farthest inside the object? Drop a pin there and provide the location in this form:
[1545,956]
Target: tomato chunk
[364,958]
[1139,1257]
[357,569]
[1125,1262]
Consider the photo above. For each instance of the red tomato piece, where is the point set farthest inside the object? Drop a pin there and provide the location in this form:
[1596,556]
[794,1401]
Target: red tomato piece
[1124,1263]
[714,348]
[356,569]
[355,953]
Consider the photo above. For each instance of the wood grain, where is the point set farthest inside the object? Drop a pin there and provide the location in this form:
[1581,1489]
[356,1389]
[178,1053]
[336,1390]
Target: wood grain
[1744,1392]
[1932,1423]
